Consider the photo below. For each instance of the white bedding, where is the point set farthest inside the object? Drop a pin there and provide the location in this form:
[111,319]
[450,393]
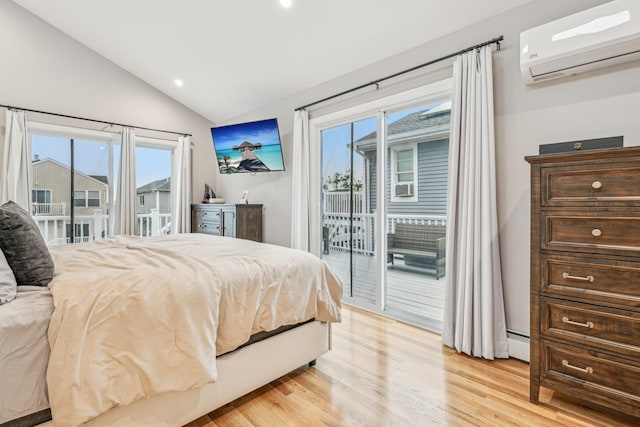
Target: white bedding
[135,317]
[24,352]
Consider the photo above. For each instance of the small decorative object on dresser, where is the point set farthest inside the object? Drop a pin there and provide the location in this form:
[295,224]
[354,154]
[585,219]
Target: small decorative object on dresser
[585,276]
[243,221]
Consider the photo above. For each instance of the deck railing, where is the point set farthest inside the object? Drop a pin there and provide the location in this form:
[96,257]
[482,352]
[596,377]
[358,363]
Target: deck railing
[361,239]
[48,208]
[96,227]
[340,201]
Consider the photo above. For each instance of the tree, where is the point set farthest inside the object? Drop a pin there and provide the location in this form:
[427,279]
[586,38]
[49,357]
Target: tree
[341,181]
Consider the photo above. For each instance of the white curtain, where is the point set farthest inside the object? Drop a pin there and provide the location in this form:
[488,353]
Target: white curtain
[474,319]
[181,191]
[126,220]
[16,161]
[300,211]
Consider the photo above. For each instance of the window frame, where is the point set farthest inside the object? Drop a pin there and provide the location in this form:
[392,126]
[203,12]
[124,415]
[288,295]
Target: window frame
[46,190]
[413,147]
[113,140]
[86,199]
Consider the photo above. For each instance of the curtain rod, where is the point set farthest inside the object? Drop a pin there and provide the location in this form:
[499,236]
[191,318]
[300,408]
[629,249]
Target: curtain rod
[94,120]
[497,41]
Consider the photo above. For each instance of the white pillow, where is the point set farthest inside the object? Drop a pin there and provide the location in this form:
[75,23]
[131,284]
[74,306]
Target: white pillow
[8,285]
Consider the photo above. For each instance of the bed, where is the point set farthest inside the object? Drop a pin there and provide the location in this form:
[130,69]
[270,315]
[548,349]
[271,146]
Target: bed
[152,331]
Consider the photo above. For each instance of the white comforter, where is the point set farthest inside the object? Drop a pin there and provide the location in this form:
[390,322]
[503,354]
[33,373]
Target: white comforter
[135,317]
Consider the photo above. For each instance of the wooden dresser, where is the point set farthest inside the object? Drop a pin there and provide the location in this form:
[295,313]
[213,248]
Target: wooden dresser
[585,276]
[241,221]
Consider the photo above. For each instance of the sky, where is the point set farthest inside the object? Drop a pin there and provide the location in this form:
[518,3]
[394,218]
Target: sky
[92,157]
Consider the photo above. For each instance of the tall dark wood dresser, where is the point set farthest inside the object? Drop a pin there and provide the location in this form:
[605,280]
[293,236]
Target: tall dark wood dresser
[585,276]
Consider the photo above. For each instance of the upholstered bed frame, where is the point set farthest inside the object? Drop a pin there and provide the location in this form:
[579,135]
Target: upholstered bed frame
[239,373]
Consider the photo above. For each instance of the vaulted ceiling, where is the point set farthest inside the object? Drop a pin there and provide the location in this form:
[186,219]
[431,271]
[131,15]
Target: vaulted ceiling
[237,55]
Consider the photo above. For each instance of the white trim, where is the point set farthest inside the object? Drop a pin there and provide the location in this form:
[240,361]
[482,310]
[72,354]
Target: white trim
[48,129]
[393,173]
[146,142]
[68,131]
[518,348]
[390,104]
[381,213]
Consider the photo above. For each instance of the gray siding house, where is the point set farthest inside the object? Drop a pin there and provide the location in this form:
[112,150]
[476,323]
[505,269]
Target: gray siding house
[426,134]
[154,195]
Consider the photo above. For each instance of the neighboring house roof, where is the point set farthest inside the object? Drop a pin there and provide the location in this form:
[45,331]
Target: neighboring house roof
[426,125]
[99,178]
[163,184]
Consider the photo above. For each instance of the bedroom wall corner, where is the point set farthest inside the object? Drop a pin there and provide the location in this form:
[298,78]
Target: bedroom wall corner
[44,69]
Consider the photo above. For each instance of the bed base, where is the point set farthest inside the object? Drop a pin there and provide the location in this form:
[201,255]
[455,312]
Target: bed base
[239,373]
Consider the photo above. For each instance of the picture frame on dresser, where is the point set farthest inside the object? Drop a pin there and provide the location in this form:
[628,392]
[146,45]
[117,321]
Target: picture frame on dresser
[585,277]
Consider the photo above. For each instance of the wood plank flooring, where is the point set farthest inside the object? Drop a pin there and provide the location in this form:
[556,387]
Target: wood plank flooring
[411,289]
[385,373]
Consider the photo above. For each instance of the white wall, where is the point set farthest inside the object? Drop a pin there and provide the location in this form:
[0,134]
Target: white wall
[43,69]
[597,104]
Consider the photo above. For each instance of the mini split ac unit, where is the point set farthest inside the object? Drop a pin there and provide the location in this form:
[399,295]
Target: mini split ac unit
[404,190]
[594,38]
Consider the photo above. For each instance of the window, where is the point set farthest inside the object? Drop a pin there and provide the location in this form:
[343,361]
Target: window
[75,173]
[86,199]
[93,199]
[404,166]
[41,196]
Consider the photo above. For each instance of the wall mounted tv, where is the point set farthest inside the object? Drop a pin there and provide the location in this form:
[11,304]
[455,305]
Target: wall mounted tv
[248,147]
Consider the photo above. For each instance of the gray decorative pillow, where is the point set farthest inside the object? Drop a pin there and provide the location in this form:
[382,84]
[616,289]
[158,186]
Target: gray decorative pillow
[8,285]
[24,247]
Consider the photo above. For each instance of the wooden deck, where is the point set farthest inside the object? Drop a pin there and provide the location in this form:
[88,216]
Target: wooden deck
[411,290]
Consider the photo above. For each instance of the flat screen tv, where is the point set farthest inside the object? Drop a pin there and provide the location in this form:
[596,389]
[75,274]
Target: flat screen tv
[248,147]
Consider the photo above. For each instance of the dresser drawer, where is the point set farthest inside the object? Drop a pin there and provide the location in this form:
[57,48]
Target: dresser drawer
[613,184]
[598,280]
[595,376]
[211,215]
[607,328]
[210,227]
[616,233]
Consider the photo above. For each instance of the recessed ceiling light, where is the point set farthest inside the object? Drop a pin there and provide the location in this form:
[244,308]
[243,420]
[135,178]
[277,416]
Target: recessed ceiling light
[285,3]
[178,82]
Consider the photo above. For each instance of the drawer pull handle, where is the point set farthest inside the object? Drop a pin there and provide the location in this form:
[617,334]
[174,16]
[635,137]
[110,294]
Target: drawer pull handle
[596,232]
[584,279]
[565,319]
[587,370]
[204,213]
[596,185]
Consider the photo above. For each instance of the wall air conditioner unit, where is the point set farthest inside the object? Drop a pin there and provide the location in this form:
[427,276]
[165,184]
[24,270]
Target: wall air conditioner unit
[404,190]
[605,35]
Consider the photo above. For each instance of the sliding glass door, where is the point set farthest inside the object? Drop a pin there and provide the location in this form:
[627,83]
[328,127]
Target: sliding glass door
[383,201]
[347,217]
[417,147]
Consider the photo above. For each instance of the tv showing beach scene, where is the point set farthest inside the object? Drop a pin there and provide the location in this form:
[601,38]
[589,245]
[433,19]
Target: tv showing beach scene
[248,147]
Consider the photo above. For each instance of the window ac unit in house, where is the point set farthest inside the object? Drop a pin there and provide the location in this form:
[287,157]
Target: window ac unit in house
[404,190]
[605,35]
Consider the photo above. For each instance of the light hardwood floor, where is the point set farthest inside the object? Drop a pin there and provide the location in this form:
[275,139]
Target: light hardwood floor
[385,373]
